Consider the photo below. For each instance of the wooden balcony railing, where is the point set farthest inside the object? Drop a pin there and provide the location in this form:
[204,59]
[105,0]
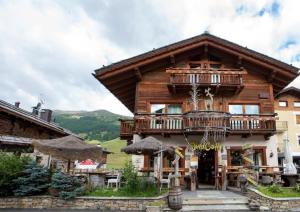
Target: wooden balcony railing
[168,123]
[253,123]
[199,121]
[206,77]
[126,128]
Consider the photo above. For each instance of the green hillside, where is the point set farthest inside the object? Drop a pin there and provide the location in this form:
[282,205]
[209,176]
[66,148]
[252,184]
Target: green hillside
[117,159]
[91,125]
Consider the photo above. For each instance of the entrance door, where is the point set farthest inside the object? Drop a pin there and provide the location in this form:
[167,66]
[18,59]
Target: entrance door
[206,167]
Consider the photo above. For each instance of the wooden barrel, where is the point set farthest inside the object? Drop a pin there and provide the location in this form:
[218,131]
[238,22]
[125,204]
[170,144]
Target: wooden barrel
[175,198]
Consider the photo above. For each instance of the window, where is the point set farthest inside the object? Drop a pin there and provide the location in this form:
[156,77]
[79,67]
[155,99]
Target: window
[243,109]
[174,109]
[283,103]
[158,108]
[298,119]
[296,104]
[236,109]
[298,138]
[251,109]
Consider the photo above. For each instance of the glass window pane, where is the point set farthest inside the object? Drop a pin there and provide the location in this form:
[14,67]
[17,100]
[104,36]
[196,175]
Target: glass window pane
[252,109]
[174,109]
[296,104]
[236,109]
[158,108]
[283,104]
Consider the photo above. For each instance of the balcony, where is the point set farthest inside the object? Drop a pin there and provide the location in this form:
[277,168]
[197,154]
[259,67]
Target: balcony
[281,126]
[230,80]
[199,121]
[126,128]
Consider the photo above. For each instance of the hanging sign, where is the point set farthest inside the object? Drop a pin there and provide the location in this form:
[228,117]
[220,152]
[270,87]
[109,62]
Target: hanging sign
[206,146]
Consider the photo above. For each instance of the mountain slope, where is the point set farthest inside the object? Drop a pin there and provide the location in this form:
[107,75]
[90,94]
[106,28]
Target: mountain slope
[91,125]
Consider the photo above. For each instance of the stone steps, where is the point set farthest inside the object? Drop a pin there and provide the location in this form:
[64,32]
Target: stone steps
[235,207]
[216,201]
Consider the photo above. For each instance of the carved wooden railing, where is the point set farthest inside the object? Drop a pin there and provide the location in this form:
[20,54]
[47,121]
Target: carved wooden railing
[204,120]
[200,120]
[126,127]
[158,122]
[253,123]
[187,76]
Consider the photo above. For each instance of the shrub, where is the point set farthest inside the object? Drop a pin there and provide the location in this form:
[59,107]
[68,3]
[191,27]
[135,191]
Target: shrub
[68,186]
[297,187]
[275,189]
[11,167]
[130,177]
[35,179]
[135,185]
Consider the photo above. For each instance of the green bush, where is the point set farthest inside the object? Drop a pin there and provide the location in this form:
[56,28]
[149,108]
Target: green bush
[35,179]
[297,187]
[11,167]
[68,186]
[275,189]
[130,177]
[135,185]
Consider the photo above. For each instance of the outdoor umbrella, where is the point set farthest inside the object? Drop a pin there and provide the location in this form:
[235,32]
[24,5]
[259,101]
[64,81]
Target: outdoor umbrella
[148,145]
[289,165]
[68,148]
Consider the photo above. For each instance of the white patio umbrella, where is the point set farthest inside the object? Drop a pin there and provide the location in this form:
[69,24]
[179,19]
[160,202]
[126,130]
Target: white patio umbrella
[289,168]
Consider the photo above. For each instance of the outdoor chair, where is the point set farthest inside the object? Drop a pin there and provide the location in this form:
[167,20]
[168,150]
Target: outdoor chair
[116,181]
[165,181]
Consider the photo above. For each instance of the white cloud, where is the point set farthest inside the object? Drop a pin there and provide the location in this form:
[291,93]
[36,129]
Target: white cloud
[52,47]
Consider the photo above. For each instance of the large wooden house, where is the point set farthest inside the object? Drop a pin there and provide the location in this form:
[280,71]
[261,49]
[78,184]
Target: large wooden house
[236,88]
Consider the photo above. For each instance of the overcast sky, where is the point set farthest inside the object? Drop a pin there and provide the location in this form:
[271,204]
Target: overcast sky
[50,48]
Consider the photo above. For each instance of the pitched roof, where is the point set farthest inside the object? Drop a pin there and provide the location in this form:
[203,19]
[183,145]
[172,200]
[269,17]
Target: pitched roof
[290,90]
[23,114]
[189,41]
[121,77]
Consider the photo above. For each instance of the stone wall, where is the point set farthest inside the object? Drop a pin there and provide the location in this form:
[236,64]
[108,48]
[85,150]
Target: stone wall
[257,200]
[102,203]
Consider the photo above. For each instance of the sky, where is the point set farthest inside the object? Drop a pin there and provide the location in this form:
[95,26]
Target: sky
[49,49]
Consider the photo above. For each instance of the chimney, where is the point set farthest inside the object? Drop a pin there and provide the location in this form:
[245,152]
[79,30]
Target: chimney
[46,114]
[17,104]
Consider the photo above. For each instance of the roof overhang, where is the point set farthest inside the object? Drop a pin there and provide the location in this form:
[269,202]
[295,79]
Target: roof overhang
[121,77]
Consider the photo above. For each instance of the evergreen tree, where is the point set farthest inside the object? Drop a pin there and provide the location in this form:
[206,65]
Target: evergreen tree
[34,180]
[68,186]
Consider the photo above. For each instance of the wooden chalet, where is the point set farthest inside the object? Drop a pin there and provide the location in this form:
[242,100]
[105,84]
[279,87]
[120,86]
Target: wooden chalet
[18,127]
[155,87]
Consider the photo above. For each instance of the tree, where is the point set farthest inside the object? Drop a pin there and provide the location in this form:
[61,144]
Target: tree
[68,186]
[11,167]
[35,180]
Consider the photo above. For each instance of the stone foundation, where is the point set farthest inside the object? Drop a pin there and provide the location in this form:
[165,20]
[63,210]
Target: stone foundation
[101,203]
[257,200]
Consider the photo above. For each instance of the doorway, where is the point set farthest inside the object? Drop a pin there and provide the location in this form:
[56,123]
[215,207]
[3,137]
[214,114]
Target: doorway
[206,167]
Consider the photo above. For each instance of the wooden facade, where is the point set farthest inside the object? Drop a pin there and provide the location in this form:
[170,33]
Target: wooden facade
[243,83]
[20,123]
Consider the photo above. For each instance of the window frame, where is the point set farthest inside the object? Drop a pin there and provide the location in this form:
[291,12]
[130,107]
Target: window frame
[244,108]
[166,107]
[296,102]
[283,101]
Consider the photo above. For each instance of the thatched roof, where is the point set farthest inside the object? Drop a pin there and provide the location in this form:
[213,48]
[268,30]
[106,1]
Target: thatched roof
[68,148]
[148,145]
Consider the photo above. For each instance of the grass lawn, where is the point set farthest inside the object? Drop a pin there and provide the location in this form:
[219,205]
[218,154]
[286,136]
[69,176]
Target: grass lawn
[285,192]
[118,158]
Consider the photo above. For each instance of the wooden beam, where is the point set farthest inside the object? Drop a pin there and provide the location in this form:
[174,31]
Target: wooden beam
[122,84]
[272,76]
[172,60]
[125,90]
[138,74]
